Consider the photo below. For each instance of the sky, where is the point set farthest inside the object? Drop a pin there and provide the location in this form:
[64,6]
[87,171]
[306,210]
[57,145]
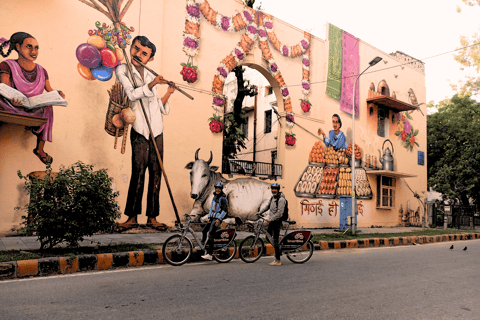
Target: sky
[419,28]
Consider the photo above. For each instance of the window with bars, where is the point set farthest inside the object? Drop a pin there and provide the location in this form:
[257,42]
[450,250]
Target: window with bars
[268,121]
[386,192]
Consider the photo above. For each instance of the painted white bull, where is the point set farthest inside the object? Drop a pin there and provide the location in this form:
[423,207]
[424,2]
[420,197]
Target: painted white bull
[246,196]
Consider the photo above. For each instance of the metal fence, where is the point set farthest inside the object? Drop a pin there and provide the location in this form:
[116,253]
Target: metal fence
[459,216]
[252,168]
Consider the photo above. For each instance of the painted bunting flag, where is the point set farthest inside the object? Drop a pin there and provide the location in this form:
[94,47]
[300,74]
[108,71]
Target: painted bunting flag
[350,69]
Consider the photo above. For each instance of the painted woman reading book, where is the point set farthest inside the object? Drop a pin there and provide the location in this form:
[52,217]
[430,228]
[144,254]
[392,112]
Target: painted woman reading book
[31,79]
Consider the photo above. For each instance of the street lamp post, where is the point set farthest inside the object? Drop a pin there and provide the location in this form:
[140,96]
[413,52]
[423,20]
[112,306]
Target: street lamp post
[354,211]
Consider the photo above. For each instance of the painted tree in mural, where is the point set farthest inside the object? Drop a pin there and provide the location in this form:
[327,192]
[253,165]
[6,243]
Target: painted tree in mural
[454,150]
[234,138]
[469,57]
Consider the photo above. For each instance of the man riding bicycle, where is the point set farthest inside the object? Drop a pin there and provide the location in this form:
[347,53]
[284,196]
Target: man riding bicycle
[274,219]
[218,211]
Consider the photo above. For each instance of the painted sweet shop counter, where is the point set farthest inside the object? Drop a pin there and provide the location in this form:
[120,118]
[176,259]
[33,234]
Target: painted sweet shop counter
[332,182]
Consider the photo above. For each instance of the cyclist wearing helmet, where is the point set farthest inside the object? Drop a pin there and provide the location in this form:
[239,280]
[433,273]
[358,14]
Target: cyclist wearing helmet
[218,211]
[274,219]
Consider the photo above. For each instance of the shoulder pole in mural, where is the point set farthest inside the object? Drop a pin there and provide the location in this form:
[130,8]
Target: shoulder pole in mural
[115,15]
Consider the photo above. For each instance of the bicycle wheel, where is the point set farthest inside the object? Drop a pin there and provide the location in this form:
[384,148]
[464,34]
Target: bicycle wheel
[251,250]
[177,250]
[301,254]
[225,254]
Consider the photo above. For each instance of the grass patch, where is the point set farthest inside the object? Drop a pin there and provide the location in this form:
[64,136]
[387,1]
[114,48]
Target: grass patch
[15,255]
[71,253]
[349,236]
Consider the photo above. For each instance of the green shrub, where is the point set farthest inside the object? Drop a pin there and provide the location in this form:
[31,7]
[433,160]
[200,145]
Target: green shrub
[78,202]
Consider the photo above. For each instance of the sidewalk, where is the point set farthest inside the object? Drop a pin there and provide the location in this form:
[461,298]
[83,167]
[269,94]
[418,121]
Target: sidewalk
[31,243]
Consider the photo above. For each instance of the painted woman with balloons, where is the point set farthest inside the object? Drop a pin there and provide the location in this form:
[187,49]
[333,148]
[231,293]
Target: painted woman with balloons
[31,79]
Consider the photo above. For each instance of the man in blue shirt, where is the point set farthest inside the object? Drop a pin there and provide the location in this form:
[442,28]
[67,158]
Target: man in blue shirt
[218,211]
[335,138]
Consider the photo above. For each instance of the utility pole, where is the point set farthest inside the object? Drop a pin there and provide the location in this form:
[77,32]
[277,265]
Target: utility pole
[254,133]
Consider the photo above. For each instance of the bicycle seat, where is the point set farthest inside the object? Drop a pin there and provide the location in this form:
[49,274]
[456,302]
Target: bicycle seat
[291,222]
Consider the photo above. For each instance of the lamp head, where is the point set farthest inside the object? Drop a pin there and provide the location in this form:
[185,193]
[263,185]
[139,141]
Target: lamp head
[375,61]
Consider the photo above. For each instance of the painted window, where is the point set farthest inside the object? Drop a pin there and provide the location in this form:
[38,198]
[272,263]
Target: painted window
[383,122]
[268,121]
[385,192]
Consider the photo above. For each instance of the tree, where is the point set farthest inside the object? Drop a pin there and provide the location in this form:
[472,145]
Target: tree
[453,135]
[469,57]
[234,138]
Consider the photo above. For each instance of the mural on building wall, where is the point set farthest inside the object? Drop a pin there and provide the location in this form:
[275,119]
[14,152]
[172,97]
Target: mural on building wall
[22,86]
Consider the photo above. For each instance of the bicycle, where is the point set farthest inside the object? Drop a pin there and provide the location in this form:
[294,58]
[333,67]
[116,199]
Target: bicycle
[296,245]
[177,249]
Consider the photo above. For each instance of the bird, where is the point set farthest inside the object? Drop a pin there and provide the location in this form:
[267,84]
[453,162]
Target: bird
[395,75]
[402,67]
[451,248]
[385,61]
[465,249]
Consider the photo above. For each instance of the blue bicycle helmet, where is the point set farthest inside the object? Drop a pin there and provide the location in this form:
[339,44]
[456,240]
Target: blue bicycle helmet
[275,186]
[219,185]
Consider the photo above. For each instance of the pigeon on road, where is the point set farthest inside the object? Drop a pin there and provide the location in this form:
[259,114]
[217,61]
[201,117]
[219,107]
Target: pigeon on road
[451,248]
[465,249]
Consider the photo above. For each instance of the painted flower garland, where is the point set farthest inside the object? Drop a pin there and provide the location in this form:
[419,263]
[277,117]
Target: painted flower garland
[233,59]
[246,20]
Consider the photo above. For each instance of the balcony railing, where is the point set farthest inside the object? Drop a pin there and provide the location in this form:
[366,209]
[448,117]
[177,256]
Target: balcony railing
[251,168]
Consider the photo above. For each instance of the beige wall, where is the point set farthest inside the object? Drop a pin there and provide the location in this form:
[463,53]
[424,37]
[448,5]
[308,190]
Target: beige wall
[78,134]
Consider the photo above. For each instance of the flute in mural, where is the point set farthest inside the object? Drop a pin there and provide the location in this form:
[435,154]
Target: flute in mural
[170,83]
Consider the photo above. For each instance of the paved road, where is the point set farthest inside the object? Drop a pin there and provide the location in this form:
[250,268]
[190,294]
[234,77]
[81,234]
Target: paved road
[409,282]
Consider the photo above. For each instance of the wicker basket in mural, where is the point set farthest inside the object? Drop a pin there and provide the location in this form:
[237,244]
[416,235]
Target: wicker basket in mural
[118,101]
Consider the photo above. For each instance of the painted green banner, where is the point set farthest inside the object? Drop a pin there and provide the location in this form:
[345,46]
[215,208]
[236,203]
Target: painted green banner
[334,77]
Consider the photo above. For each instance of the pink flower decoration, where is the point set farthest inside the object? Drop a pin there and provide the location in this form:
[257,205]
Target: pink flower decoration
[306,62]
[285,92]
[262,33]
[222,71]
[219,102]
[193,11]
[274,67]
[304,44]
[305,86]
[285,50]
[239,54]
[248,16]
[268,25]
[189,42]
[225,23]
[252,29]
[407,127]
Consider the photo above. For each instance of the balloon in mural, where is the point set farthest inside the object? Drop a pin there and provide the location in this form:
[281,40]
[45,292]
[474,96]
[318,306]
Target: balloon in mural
[88,55]
[119,54]
[102,73]
[96,41]
[109,59]
[85,72]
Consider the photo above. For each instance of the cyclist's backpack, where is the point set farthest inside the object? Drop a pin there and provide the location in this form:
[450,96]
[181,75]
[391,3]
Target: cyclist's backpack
[285,210]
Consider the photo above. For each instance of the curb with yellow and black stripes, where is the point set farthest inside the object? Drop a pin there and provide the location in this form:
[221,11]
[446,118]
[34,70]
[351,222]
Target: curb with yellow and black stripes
[110,261]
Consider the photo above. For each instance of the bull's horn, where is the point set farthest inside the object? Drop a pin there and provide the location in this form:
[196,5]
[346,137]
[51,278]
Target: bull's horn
[211,158]
[196,154]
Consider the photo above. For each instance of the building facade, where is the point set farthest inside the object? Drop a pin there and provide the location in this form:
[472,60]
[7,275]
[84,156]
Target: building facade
[295,64]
